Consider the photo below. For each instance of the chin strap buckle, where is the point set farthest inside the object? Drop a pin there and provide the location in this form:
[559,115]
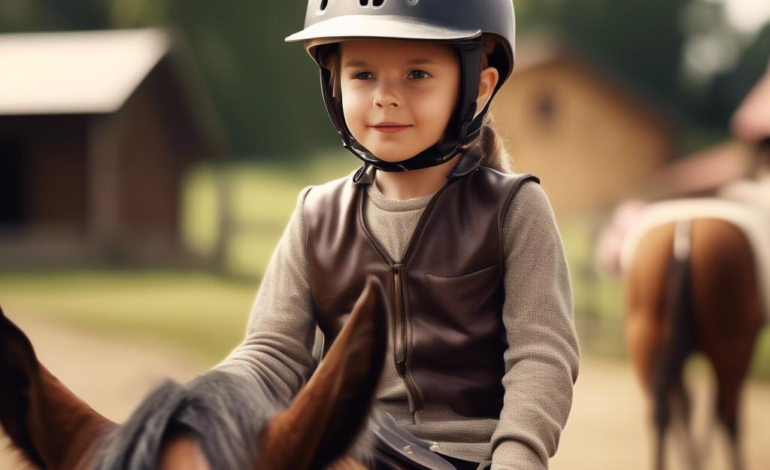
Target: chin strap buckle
[361,171]
[467,121]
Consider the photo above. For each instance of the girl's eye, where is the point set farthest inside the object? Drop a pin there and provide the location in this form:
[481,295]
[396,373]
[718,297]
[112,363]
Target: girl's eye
[358,75]
[417,74]
[422,74]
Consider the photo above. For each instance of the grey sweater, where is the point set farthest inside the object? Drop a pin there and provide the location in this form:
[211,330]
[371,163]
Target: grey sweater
[541,362]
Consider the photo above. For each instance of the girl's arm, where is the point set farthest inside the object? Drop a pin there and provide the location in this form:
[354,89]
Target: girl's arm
[276,355]
[543,356]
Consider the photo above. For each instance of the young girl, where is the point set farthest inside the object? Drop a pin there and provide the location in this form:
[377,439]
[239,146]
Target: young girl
[483,355]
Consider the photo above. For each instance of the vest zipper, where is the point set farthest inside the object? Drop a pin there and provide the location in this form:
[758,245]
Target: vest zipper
[400,338]
[399,343]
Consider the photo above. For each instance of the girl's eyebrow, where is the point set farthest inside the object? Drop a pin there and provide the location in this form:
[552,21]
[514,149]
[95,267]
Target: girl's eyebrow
[363,63]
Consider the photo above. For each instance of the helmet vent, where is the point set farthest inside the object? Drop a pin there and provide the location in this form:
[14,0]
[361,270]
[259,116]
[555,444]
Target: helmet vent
[375,3]
[323,4]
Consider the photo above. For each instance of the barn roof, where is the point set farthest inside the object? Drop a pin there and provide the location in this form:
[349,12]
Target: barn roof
[76,72]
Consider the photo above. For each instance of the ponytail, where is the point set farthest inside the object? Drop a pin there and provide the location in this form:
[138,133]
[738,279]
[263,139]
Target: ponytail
[495,155]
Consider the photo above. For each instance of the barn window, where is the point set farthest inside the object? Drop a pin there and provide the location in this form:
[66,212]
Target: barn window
[12,178]
[545,107]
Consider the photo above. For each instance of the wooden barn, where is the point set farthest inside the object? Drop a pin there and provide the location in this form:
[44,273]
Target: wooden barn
[96,131]
[590,136]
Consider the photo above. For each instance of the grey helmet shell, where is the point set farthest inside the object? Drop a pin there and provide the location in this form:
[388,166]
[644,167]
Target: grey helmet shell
[458,22]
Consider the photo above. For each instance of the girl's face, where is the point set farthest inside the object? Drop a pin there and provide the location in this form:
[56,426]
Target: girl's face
[398,96]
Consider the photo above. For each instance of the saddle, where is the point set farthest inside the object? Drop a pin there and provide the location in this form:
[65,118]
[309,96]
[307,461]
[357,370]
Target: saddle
[399,449]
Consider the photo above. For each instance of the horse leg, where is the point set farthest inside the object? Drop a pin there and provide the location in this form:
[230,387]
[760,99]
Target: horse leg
[682,412]
[644,337]
[646,324]
[729,315]
[731,374]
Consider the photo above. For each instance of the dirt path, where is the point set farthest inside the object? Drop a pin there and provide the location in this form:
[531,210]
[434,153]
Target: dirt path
[606,430]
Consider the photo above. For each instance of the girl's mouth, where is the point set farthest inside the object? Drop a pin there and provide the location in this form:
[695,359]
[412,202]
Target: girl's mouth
[390,129]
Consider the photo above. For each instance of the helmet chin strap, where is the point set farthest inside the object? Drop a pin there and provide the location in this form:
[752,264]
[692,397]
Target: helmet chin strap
[462,128]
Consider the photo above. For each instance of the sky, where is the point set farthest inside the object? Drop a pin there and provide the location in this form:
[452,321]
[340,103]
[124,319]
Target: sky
[747,16]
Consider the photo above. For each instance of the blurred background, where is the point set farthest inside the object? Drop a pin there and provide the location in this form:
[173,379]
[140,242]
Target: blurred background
[151,153]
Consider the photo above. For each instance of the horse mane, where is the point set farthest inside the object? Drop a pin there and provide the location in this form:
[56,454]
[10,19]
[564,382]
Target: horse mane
[217,407]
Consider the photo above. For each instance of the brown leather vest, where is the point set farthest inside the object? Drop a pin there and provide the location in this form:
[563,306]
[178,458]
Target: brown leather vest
[445,296]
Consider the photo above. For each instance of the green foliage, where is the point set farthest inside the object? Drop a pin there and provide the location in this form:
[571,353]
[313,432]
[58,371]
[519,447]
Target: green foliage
[267,91]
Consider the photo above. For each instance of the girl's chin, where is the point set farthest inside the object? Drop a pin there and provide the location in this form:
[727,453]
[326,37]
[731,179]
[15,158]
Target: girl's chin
[393,157]
[390,159]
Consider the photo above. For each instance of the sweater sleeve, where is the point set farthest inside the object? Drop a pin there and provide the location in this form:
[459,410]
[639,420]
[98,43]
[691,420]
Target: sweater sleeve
[543,356]
[275,356]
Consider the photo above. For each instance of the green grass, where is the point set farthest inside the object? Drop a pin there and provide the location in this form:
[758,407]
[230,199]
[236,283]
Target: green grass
[200,312]
[263,197]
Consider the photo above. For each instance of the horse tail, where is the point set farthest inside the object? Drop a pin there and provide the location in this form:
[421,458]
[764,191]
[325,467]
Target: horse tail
[669,365]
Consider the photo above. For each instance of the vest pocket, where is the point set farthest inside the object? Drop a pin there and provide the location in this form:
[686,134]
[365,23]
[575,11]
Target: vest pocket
[463,277]
[461,297]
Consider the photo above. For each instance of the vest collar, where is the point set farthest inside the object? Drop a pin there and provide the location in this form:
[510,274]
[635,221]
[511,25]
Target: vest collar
[468,163]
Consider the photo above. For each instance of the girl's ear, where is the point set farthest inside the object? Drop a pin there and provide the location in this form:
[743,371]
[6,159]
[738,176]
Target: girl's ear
[487,83]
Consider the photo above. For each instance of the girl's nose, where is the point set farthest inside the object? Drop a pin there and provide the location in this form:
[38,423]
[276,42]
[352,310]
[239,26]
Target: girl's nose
[386,98]
[384,101]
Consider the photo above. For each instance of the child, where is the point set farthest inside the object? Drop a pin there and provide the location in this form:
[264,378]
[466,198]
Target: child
[483,355]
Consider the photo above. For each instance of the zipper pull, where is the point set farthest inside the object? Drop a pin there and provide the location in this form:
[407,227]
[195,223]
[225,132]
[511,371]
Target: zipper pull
[400,333]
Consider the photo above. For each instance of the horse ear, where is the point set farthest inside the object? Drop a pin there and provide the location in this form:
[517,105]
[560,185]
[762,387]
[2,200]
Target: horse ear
[328,414]
[18,366]
[44,420]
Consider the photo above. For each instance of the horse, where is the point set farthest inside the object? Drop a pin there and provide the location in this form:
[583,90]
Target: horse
[696,280]
[692,288]
[193,427]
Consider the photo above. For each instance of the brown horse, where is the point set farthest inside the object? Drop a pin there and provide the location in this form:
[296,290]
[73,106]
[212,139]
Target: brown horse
[55,430]
[692,289]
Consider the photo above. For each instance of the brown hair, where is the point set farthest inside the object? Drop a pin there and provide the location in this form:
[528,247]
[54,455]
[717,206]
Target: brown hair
[494,153]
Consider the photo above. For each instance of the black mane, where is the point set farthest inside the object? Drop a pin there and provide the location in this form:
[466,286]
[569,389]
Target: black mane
[219,408]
